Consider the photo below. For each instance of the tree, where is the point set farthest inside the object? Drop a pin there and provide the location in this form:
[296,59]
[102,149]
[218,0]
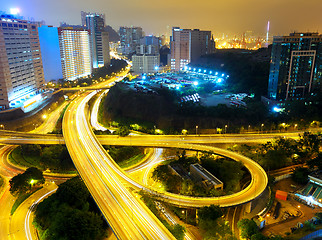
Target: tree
[300,175]
[316,162]
[18,185]
[309,144]
[76,225]
[178,231]
[31,149]
[73,192]
[210,213]
[275,159]
[23,182]
[248,228]
[259,236]
[69,214]
[123,131]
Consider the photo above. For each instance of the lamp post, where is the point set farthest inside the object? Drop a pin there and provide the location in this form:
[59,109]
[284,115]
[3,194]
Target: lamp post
[196,130]
[226,129]
[2,126]
[248,127]
[262,127]
[185,211]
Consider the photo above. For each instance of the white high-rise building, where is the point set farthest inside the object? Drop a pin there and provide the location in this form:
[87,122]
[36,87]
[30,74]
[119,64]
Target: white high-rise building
[21,71]
[145,63]
[75,52]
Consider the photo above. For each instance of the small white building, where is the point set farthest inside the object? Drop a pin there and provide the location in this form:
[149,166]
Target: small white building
[145,63]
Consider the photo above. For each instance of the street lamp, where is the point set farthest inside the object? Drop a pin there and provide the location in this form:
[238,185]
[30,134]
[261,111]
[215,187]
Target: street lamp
[183,211]
[2,126]
[262,127]
[44,116]
[226,129]
[32,181]
[248,127]
[196,130]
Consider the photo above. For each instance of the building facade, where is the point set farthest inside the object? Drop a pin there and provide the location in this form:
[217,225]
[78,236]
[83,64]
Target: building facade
[188,45]
[296,66]
[50,51]
[21,71]
[130,38]
[99,40]
[145,63]
[75,53]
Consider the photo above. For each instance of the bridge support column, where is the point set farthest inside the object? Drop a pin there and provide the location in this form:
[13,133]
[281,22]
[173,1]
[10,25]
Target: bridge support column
[249,207]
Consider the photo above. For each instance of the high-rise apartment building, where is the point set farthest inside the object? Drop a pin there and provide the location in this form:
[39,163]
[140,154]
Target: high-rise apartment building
[99,40]
[130,38]
[188,45]
[84,14]
[296,66]
[75,54]
[21,71]
[50,51]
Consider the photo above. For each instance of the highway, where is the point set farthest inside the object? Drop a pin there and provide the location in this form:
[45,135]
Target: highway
[128,216]
[252,191]
[19,226]
[94,115]
[12,137]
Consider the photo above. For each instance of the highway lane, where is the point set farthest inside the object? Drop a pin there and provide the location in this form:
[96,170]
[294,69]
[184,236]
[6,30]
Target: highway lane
[255,188]
[21,221]
[25,138]
[6,199]
[94,115]
[128,217]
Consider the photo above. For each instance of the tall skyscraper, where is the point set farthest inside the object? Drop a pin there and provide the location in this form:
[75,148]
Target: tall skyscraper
[130,38]
[50,51]
[296,66]
[100,50]
[21,71]
[188,45]
[84,14]
[75,54]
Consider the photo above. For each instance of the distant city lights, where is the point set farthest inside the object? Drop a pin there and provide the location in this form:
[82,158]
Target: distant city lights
[278,109]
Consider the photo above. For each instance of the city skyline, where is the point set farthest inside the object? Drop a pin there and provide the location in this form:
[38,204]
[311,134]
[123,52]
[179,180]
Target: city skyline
[233,17]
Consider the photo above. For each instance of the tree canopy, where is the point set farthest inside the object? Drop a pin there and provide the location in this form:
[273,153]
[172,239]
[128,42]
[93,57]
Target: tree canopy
[248,228]
[69,214]
[23,182]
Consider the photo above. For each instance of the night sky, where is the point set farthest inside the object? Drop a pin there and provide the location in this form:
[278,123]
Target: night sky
[225,16]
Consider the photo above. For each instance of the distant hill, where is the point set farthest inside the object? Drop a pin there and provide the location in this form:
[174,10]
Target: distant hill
[113,35]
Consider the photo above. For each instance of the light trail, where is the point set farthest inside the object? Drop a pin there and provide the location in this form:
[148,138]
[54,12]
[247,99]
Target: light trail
[27,218]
